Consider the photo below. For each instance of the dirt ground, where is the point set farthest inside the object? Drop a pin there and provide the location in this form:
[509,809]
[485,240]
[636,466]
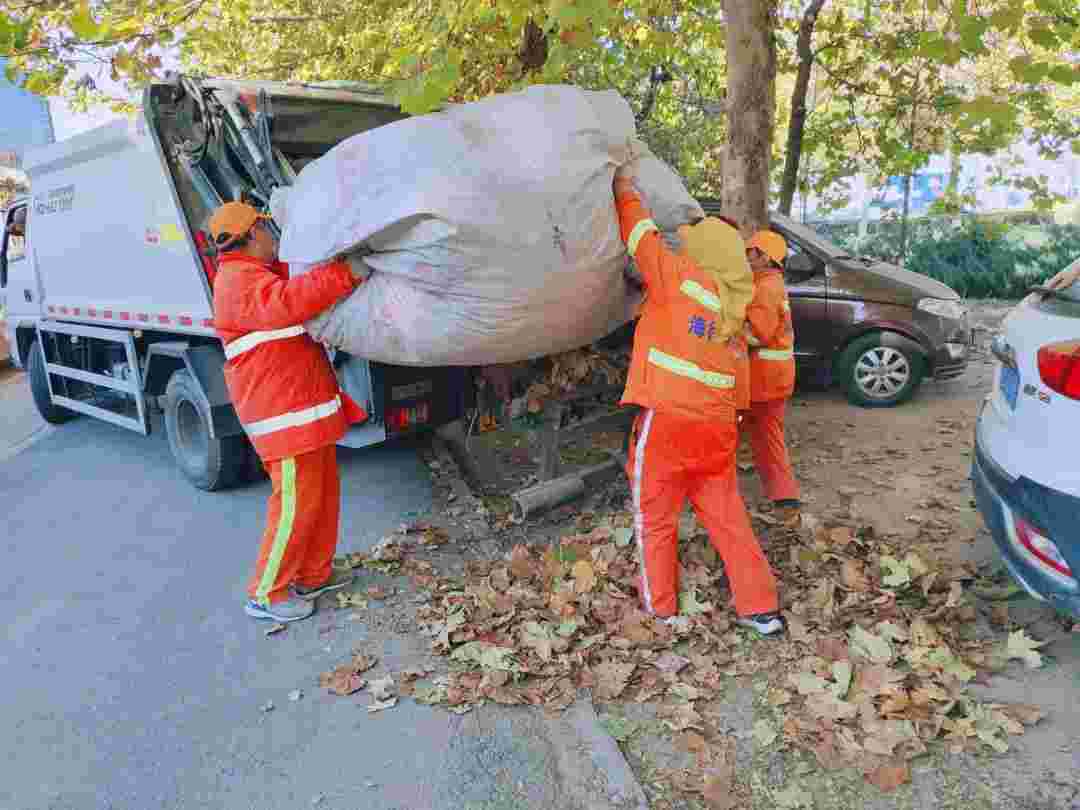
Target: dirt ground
[904,472]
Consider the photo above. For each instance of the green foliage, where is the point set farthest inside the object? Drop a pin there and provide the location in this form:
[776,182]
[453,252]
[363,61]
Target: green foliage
[978,259]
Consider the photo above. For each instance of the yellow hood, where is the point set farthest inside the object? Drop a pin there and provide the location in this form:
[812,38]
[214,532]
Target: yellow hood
[718,249]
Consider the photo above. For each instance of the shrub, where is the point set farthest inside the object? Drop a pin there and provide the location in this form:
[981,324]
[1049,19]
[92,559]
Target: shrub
[977,259]
[981,261]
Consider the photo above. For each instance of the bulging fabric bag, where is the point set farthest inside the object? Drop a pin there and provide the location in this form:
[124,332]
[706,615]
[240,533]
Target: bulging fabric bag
[489,228]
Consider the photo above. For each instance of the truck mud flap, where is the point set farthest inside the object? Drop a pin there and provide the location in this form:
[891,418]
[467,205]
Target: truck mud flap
[207,366]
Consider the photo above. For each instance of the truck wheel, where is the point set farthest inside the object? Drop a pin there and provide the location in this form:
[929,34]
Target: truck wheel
[39,389]
[210,464]
[253,471]
[879,373]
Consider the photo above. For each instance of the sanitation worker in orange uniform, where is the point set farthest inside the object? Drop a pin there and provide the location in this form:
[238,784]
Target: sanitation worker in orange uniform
[288,400]
[772,373]
[682,375]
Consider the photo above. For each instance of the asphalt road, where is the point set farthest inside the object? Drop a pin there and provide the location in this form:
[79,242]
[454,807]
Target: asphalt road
[131,677]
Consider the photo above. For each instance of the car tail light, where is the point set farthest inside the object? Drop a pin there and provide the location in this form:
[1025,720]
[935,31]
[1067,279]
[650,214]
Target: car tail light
[409,417]
[1059,367]
[1041,546]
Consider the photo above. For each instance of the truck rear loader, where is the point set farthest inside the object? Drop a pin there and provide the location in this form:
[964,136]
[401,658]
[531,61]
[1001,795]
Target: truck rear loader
[107,272]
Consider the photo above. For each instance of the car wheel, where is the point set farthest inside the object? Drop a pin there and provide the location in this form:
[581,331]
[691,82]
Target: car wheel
[209,463]
[39,389]
[878,373]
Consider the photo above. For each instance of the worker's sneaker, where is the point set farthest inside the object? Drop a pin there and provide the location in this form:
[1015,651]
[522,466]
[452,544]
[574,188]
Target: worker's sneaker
[339,578]
[764,624]
[289,610]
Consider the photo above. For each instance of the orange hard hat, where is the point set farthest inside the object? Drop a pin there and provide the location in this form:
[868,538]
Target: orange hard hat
[232,221]
[771,244]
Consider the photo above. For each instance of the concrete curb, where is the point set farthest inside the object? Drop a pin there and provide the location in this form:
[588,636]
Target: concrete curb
[590,764]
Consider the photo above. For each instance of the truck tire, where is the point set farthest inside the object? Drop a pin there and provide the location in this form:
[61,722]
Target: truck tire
[210,464]
[879,373]
[39,389]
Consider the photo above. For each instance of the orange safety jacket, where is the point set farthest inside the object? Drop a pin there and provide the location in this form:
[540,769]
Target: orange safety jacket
[280,380]
[680,365]
[771,339]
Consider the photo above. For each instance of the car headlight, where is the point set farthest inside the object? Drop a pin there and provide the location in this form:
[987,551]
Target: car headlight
[952,310]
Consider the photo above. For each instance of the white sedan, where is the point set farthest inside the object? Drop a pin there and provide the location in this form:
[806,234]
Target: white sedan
[1026,470]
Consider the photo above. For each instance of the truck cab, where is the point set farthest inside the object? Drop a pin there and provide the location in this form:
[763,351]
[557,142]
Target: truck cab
[20,294]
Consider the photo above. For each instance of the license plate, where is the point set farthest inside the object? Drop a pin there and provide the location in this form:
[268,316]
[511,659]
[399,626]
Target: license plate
[1009,385]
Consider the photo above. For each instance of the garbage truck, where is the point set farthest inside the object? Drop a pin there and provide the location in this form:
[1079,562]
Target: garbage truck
[107,273]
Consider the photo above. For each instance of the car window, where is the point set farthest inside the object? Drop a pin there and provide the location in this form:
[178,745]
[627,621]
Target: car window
[16,236]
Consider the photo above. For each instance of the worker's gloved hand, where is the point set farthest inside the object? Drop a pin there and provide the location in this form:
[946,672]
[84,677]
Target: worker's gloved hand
[624,179]
[360,271]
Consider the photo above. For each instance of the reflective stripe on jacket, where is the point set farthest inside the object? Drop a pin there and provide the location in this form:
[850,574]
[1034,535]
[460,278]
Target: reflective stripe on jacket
[280,380]
[772,339]
[680,365]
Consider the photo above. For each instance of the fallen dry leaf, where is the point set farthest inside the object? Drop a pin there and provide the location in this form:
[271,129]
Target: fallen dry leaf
[1020,645]
[682,717]
[379,705]
[999,615]
[853,576]
[841,536]
[1023,713]
[889,777]
[377,593]
[345,680]
[691,742]
[274,629]
[349,599]
[671,664]
[584,576]
[869,647]
[522,565]
[382,689]
[717,790]
[611,678]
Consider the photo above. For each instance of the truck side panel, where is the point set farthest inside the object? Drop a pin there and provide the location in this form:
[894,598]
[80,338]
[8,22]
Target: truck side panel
[109,242]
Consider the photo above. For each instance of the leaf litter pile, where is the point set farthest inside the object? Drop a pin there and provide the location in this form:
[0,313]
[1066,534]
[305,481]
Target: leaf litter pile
[881,642]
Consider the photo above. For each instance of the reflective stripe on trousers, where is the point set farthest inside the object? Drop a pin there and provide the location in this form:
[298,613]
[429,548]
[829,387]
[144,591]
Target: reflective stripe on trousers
[639,516]
[293,418]
[252,339]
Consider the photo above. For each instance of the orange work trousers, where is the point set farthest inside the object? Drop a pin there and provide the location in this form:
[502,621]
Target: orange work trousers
[301,525]
[765,423]
[671,459]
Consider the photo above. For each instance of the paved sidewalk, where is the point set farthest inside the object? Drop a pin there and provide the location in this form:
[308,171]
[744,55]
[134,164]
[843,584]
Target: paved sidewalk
[133,680]
[20,423]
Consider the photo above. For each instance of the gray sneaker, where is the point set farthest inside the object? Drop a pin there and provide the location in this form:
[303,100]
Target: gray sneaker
[339,578]
[764,624]
[290,610]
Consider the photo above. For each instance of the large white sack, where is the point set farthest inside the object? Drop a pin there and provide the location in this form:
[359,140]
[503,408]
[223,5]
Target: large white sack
[490,227]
